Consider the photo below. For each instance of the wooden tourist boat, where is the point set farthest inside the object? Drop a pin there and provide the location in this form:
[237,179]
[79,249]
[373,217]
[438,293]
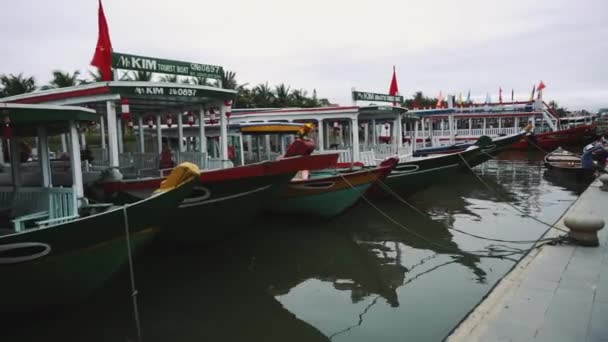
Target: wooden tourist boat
[55,246]
[227,197]
[328,193]
[567,164]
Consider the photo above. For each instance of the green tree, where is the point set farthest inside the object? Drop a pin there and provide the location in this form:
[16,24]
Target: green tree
[281,96]
[64,79]
[143,76]
[169,78]
[559,111]
[229,80]
[16,84]
[95,76]
[418,100]
[263,96]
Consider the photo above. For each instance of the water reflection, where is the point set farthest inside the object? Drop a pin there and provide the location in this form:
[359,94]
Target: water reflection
[356,278]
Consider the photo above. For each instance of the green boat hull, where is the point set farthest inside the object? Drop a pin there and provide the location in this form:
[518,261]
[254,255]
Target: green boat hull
[222,208]
[72,260]
[324,205]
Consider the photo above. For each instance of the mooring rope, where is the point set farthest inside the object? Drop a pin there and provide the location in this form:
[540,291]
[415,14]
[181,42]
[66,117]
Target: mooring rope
[477,253]
[132,275]
[507,202]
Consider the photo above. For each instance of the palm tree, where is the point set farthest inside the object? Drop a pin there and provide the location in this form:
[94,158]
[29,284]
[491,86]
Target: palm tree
[169,78]
[64,79]
[15,85]
[229,80]
[263,96]
[144,76]
[95,76]
[298,98]
[281,93]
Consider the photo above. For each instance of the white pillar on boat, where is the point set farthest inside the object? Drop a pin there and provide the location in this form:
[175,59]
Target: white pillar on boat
[366,134]
[470,126]
[140,129]
[15,159]
[112,133]
[516,124]
[121,147]
[75,162]
[327,129]
[398,133]
[159,133]
[180,131]
[242,149]
[64,143]
[499,125]
[83,141]
[201,132]
[267,146]
[43,157]
[249,140]
[374,133]
[423,124]
[354,122]
[484,126]
[223,133]
[102,132]
[441,126]
[451,127]
[415,139]
[320,135]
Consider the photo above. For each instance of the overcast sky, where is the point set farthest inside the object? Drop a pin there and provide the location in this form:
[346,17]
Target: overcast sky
[334,45]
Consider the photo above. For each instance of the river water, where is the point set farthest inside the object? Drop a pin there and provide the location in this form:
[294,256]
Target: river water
[358,277]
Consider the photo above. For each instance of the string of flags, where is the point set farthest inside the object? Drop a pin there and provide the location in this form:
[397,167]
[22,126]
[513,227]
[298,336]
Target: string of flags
[451,99]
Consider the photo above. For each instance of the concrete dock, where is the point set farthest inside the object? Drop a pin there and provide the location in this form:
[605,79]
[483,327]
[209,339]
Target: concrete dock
[555,293]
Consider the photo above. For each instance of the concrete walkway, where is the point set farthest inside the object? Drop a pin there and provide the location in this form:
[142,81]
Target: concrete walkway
[556,293]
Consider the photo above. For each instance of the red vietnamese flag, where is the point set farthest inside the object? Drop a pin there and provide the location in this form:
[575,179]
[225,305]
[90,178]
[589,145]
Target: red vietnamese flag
[541,86]
[102,58]
[394,88]
[439,101]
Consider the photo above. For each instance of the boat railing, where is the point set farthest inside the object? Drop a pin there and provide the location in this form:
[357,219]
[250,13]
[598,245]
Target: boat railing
[44,206]
[198,158]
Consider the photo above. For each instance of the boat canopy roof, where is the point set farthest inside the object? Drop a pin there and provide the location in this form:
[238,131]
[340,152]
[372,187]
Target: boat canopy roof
[26,117]
[271,128]
[144,98]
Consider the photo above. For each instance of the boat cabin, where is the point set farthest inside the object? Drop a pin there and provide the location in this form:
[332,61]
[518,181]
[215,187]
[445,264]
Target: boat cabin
[40,191]
[133,133]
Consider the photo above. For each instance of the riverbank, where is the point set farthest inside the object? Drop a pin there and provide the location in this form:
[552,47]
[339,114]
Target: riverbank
[555,293]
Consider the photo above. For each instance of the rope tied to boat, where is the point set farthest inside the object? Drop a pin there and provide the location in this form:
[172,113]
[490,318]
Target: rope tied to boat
[492,252]
[132,274]
[507,202]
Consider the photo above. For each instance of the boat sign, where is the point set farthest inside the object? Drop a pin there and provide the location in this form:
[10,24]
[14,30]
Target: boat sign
[160,91]
[165,66]
[363,96]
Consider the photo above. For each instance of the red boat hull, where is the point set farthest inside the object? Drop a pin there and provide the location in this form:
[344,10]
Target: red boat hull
[552,140]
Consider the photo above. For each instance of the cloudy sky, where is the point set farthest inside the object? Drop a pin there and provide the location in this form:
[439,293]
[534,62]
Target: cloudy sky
[334,45]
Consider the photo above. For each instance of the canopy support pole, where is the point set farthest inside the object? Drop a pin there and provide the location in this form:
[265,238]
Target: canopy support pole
[121,147]
[159,134]
[374,133]
[43,154]
[180,131]
[75,161]
[140,128]
[320,135]
[354,124]
[223,134]
[64,144]
[201,132]
[112,133]
[102,127]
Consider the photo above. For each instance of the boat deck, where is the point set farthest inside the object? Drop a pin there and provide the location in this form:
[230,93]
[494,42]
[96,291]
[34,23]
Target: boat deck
[557,293]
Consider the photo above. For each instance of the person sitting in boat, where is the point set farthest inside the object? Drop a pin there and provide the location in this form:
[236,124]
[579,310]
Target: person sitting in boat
[166,158]
[302,145]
